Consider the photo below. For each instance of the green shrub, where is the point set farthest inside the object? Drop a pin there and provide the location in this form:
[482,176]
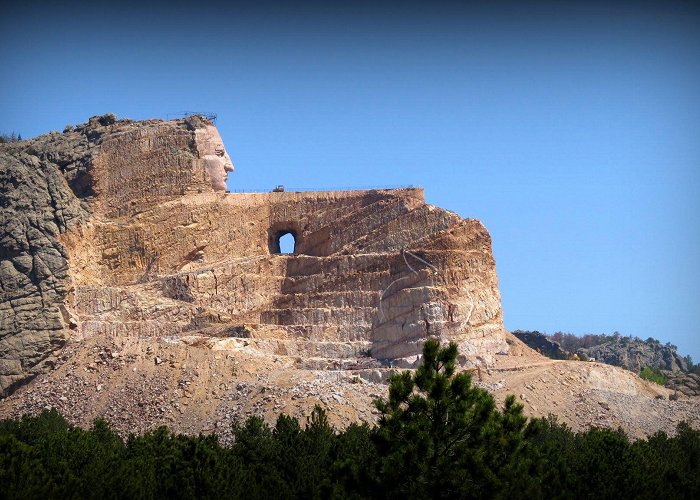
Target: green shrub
[653,375]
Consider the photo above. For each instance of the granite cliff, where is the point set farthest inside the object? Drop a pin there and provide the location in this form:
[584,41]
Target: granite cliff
[122,228]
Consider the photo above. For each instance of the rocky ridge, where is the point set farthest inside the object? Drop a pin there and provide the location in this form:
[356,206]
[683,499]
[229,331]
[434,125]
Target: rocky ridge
[636,354]
[542,344]
[629,353]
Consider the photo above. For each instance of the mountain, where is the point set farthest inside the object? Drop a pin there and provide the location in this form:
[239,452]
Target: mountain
[135,288]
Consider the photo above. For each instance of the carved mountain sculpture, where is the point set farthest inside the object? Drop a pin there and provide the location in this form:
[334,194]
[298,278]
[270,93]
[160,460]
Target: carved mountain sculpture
[118,228]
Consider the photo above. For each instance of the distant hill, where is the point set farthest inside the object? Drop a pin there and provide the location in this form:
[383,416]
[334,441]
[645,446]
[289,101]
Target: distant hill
[632,353]
[636,354]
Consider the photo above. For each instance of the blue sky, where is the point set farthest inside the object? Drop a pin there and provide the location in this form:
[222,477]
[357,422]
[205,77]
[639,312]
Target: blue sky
[570,131]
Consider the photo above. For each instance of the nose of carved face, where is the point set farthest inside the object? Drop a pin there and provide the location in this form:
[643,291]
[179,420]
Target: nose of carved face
[228,165]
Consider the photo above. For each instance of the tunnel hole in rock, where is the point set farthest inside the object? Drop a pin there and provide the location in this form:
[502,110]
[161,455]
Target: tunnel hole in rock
[285,242]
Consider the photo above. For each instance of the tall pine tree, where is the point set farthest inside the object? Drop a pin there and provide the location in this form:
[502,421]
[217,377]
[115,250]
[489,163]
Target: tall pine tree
[440,436]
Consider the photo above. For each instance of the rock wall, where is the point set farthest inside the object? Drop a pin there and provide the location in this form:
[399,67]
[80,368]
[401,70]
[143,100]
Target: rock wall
[144,241]
[687,384]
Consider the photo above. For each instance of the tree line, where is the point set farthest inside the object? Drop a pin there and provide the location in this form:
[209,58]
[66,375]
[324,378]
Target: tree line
[438,436]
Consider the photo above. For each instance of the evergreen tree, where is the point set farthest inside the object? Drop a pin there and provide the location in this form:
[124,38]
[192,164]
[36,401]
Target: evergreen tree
[439,436]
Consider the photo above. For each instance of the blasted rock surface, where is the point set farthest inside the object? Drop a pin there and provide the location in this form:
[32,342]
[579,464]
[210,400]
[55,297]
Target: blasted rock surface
[122,229]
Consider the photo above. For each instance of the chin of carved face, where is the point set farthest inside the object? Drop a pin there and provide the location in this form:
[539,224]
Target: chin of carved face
[216,161]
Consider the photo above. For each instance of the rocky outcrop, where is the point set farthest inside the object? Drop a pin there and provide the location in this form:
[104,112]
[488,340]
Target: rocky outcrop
[122,229]
[541,343]
[37,205]
[687,384]
[630,353]
[635,355]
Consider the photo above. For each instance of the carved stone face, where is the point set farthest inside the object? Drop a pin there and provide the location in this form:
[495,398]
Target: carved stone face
[216,160]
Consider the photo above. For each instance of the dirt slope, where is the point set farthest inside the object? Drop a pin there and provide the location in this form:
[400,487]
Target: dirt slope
[139,385]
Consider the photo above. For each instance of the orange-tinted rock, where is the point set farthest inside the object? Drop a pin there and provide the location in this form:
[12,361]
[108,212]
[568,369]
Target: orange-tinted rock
[157,248]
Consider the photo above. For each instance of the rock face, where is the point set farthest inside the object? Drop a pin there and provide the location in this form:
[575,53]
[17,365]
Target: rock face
[636,355]
[37,205]
[687,384]
[122,229]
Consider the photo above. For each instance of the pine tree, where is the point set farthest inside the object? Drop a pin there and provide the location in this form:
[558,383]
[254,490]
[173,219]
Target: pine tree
[440,436]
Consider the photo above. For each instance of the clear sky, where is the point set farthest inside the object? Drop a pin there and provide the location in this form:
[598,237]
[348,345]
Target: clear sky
[572,132]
